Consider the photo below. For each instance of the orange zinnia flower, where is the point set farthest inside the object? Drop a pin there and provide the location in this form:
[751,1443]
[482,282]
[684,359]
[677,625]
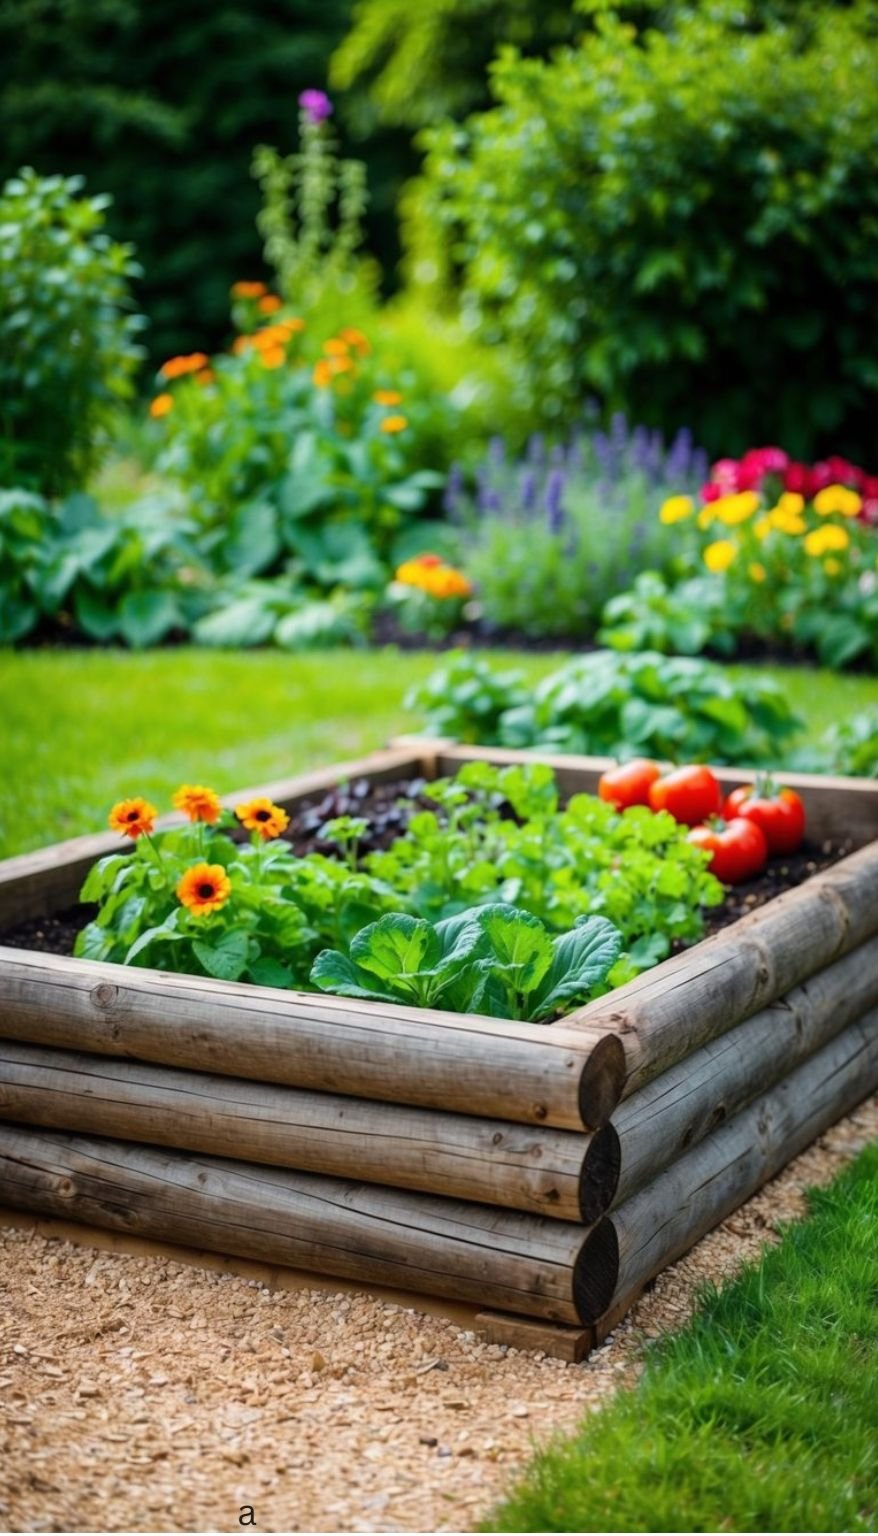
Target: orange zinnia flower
[394,424]
[270,304]
[198,803]
[132,818]
[335,347]
[264,817]
[355,339]
[387,397]
[245,290]
[204,888]
[160,406]
[272,357]
[322,374]
[176,367]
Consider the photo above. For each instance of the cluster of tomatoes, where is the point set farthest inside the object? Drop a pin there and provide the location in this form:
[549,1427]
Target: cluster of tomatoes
[755,823]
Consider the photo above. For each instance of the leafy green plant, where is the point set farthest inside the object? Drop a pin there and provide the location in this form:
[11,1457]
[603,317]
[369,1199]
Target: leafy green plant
[852,746]
[67,332]
[642,704]
[498,961]
[646,212]
[680,620]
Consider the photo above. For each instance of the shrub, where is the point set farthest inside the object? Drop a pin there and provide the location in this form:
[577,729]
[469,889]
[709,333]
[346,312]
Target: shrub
[67,347]
[643,705]
[852,746]
[546,538]
[682,221]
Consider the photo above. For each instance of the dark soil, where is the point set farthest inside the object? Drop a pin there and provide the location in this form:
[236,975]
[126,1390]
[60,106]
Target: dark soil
[387,807]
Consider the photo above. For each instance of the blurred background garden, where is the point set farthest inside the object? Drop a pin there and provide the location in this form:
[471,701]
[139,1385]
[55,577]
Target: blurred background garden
[538,332]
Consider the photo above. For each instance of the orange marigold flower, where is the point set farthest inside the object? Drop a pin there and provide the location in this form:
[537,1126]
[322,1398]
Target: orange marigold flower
[270,304]
[335,347]
[206,376]
[394,424]
[198,803]
[387,397]
[445,581]
[264,817]
[132,818]
[322,374]
[273,357]
[341,364]
[355,339]
[204,888]
[176,367]
[292,325]
[161,405]
[245,290]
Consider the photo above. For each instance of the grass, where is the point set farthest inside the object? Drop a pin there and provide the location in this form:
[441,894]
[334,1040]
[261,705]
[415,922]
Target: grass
[82,728]
[761,1416]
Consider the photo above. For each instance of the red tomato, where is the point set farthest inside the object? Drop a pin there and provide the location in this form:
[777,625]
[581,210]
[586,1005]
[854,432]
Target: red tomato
[690,794]
[779,814]
[629,783]
[737,848]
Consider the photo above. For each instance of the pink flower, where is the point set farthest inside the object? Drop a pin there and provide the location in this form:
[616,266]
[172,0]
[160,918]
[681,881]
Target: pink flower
[725,473]
[316,104]
[821,476]
[711,491]
[869,513]
[797,477]
[844,472]
[767,461]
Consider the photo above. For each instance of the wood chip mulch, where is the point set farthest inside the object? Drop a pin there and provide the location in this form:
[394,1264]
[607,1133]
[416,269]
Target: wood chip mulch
[140,1394]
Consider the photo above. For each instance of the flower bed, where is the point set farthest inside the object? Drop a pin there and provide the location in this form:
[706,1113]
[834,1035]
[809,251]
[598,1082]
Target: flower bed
[541,1170]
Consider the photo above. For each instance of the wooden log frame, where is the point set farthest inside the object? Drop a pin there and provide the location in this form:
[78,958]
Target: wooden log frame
[781,1005]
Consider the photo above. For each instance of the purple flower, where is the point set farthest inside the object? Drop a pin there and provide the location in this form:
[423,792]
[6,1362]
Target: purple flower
[316,104]
[554,500]
[527,490]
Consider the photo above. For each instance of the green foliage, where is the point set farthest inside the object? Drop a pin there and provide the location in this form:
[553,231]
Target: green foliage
[680,620]
[852,745]
[162,108]
[497,961]
[761,1415]
[642,704]
[67,347]
[647,214]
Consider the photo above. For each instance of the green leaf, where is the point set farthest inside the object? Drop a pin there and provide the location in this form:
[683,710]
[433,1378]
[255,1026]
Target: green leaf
[226,960]
[94,614]
[335,972]
[146,617]
[100,877]
[518,945]
[267,972]
[396,946]
[247,622]
[581,960]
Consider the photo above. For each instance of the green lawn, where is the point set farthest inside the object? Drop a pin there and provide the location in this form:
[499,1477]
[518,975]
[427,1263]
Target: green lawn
[82,728]
[761,1416]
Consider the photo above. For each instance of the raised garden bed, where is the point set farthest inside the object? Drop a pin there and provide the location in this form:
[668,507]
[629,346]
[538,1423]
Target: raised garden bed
[546,1171]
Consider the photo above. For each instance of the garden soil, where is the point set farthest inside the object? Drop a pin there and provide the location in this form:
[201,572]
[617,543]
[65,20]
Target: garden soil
[138,1393]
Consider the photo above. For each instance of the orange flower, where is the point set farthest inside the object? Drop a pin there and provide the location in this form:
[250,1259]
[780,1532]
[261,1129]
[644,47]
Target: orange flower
[176,367]
[335,347]
[273,357]
[322,374]
[264,817]
[245,290]
[355,339]
[241,344]
[198,803]
[394,424]
[341,364]
[292,325]
[430,574]
[132,818]
[204,888]
[270,304]
[387,397]
[161,405]
[206,376]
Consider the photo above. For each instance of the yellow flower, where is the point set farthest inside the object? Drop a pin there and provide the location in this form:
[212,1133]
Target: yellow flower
[161,405]
[198,803]
[762,527]
[837,498]
[736,509]
[132,818]
[705,517]
[322,374]
[430,574]
[675,509]
[719,555]
[787,522]
[387,397]
[792,502]
[264,817]
[335,347]
[394,424]
[821,540]
[833,567]
[757,572]
[204,888]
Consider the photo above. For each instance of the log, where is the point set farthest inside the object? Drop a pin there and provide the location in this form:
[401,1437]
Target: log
[50,879]
[837,808]
[525,1073]
[502,1259]
[563,1174]
[673,1112]
[666,1014]
[669,1215]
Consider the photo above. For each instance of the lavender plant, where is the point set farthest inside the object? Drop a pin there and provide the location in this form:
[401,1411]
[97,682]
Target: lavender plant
[551,536]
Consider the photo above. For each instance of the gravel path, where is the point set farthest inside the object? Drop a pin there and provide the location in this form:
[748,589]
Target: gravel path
[140,1394]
